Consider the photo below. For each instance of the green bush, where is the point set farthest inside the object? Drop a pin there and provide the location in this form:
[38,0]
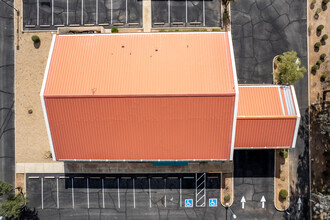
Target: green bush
[225,16]
[315,67]
[325,37]
[284,154]
[317,45]
[319,62]
[114,30]
[322,57]
[314,2]
[283,194]
[323,77]
[320,27]
[35,38]
[325,1]
[216,29]
[227,198]
[318,11]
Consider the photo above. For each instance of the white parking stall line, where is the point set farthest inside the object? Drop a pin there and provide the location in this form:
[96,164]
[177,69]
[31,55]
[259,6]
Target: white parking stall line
[169,11]
[186,11]
[118,193]
[134,192]
[87,193]
[67,12]
[203,12]
[165,192]
[126,11]
[111,10]
[149,193]
[37,12]
[42,193]
[103,193]
[82,12]
[97,12]
[52,12]
[180,192]
[72,193]
[57,194]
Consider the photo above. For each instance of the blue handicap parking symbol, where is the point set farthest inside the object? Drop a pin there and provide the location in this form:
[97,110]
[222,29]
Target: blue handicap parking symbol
[213,202]
[188,203]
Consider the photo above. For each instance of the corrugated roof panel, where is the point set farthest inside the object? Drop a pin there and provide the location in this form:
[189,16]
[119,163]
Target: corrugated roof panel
[140,64]
[260,133]
[149,128]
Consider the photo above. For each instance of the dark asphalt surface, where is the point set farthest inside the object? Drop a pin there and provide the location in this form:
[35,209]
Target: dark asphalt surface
[81,12]
[206,12]
[7,119]
[120,196]
[262,29]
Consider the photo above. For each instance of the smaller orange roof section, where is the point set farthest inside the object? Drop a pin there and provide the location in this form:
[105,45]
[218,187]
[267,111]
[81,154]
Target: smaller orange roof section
[268,117]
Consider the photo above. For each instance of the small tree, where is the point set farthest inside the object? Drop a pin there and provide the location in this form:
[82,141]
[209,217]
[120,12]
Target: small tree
[319,62]
[317,45]
[323,77]
[325,1]
[320,27]
[284,154]
[289,69]
[114,30]
[12,204]
[35,38]
[315,67]
[322,57]
[324,37]
[227,198]
[283,194]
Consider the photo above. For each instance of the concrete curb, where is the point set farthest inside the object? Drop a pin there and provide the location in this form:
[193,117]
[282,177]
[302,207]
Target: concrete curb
[232,192]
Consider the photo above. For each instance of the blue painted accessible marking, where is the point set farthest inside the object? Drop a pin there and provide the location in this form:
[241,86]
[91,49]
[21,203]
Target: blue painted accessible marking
[188,203]
[213,202]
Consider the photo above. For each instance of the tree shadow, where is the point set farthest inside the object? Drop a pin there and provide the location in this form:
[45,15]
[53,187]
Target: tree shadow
[316,49]
[324,6]
[27,213]
[318,33]
[37,44]
[312,6]
[323,42]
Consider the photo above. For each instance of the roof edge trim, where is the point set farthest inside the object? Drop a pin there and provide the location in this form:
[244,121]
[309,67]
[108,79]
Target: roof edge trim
[159,160]
[43,99]
[298,117]
[143,33]
[142,95]
[267,117]
[233,133]
[261,148]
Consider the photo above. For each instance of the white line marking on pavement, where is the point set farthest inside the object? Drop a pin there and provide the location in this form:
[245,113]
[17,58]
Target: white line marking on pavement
[87,193]
[82,12]
[126,11]
[169,11]
[186,11]
[149,193]
[97,12]
[42,193]
[52,12]
[165,192]
[72,193]
[203,12]
[134,192]
[118,194]
[58,200]
[111,12]
[180,192]
[103,193]
[37,12]
[67,12]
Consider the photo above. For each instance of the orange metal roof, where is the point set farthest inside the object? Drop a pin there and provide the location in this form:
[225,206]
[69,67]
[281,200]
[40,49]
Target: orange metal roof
[266,117]
[150,128]
[157,96]
[141,64]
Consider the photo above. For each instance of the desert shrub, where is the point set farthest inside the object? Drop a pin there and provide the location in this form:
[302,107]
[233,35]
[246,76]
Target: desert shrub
[315,67]
[322,57]
[284,154]
[227,198]
[320,27]
[325,1]
[114,30]
[314,1]
[319,62]
[283,194]
[317,45]
[216,29]
[325,37]
[322,78]
[35,38]
[225,16]
[318,11]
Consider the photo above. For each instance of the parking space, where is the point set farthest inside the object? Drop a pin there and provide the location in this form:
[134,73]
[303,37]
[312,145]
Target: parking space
[120,192]
[51,14]
[186,13]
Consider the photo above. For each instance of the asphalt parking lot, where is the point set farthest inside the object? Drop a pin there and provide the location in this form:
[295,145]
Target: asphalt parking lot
[128,196]
[51,14]
[186,13]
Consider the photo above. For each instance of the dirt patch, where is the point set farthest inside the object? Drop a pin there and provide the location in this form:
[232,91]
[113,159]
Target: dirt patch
[227,183]
[281,181]
[20,181]
[319,142]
